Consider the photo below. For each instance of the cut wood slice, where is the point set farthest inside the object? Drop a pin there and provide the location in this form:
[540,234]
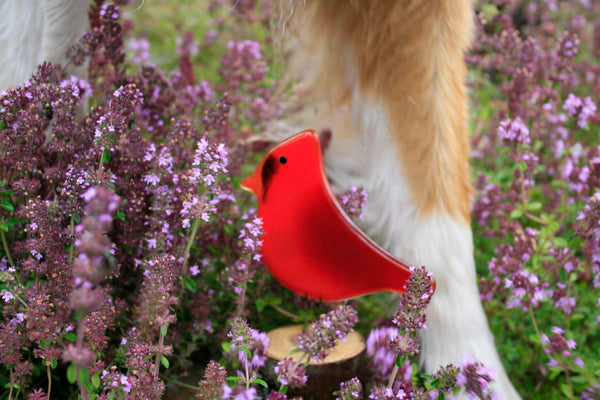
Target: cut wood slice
[345,361]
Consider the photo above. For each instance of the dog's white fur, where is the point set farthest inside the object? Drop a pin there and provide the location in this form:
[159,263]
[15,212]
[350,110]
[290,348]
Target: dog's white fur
[33,31]
[414,214]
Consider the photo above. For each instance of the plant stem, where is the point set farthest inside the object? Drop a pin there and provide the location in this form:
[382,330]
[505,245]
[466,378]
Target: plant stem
[100,165]
[6,250]
[49,380]
[393,376]
[11,386]
[524,201]
[247,370]
[188,246]
[161,342]
[72,244]
[179,383]
[284,312]
[82,385]
[240,309]
[537,331]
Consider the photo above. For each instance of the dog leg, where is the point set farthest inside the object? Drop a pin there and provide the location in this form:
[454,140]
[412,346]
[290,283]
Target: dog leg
[397,68]
[32,32]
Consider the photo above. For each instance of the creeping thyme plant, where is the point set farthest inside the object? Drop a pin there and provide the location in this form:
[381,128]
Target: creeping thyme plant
[130,256]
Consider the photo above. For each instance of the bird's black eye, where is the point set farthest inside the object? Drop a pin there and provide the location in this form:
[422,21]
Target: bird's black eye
[282,159]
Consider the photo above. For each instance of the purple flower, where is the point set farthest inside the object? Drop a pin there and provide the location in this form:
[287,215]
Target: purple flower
[194,270]
[350,390]
[378,347]
[249,345]
[290,373]
[140,48]
[514,131]
[581,108]
[475,378]
[353,201]
[322,335]
[6,295]
[410,315]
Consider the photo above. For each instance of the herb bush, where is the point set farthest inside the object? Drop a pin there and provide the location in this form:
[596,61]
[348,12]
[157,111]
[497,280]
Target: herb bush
[130,255]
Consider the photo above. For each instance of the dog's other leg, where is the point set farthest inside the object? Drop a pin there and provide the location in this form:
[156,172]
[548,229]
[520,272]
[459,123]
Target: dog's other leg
[35,31]
[389,77]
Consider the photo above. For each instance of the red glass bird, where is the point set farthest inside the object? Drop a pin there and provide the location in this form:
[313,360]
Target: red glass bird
[310,245]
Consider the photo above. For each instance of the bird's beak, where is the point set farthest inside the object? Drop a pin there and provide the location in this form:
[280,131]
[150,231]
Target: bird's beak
[252,183]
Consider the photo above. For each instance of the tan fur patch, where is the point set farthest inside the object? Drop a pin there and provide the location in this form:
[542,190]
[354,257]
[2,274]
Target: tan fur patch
[407,55]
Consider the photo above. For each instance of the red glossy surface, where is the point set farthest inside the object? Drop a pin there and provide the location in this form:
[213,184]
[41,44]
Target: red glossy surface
[310,245]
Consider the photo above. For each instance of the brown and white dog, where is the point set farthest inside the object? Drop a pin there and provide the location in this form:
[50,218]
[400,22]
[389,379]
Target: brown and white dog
[387,77]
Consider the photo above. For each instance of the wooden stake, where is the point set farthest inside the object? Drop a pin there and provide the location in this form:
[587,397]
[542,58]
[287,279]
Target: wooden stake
[345,361]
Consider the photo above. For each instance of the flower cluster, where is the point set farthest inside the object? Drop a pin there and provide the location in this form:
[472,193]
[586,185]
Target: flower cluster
[538,175]
[322,335]
[350,390]
[475,379]
[290,373]
[410,315]
[353,201]
[244,268]
[95,242]
[378,348]
[558,348]
[211,387]
[247,344]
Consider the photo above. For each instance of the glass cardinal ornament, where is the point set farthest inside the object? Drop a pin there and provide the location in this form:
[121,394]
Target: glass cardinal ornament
[310,244]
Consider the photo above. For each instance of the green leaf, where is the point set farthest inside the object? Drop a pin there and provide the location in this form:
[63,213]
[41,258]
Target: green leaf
[190,284]
[2,125]
[7,205]
[71,337]
[260,304]
[71,373]
[400,361]
[120,215]
[163,330]
[534,206]
[516,213]
[226,347]
[575,242]
[164,361]
[96,381]
[84,375]
[4,227]
[578,379]
[111,396]
[105,156]
[554,373]
[261,382]
[566,389]
[53,363]
[235,379]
